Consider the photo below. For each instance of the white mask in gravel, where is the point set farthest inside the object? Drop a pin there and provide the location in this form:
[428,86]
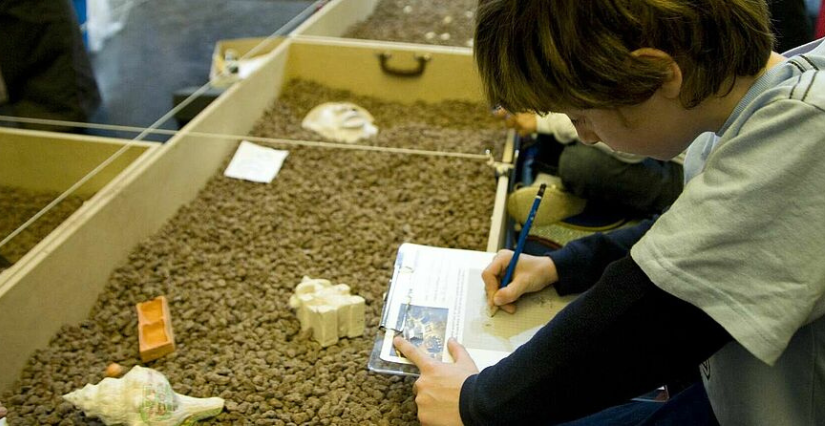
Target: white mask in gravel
[341,122]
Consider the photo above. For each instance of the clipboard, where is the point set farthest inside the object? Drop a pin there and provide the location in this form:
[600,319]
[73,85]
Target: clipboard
[437,293]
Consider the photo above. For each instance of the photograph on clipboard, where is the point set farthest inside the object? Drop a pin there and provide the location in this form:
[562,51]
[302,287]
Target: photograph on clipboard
[425,327]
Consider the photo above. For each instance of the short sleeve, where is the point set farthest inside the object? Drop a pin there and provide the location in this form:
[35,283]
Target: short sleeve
[745,242]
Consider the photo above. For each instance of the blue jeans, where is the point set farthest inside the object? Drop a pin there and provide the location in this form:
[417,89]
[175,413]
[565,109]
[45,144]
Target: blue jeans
[688,408]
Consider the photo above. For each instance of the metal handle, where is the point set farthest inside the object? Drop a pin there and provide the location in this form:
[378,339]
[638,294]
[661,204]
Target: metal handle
[422,60]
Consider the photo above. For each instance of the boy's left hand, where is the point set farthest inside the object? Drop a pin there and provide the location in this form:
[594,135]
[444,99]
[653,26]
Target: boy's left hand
[438,388]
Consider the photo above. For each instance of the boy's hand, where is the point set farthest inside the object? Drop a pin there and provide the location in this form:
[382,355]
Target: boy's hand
[532,274]
[438,388]
[524,123]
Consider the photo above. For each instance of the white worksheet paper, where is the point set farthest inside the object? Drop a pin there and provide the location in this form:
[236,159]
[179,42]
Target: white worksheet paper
[255,163]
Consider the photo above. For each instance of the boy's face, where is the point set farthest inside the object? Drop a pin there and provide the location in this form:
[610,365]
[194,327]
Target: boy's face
[654,128]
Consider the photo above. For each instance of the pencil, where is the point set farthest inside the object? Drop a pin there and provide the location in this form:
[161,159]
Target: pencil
[508,276]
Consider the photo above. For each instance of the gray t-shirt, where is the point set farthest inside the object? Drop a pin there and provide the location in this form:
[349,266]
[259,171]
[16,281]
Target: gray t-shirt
[745,242]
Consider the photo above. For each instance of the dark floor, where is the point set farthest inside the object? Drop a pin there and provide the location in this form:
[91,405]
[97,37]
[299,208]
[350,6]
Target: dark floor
[166,45]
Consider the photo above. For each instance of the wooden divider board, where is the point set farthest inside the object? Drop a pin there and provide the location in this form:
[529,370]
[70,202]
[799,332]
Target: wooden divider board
[498,221]
[354,65]
[59,284]
[47,161]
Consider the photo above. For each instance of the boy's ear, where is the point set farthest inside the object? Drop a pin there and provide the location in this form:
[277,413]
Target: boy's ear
[672,85]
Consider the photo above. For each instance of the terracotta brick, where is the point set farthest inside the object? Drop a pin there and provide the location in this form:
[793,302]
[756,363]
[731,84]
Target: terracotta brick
[155,329]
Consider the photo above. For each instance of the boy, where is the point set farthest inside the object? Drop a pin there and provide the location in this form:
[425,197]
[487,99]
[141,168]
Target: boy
[732,273]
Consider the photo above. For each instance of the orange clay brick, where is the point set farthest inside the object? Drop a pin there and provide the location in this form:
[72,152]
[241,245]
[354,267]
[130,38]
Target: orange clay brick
[155,329]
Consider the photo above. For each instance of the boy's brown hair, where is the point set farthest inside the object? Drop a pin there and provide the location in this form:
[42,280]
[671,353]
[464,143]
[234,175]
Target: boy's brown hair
[548,55]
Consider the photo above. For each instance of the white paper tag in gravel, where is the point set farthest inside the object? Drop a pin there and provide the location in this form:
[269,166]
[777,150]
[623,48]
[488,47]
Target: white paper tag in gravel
[255,163]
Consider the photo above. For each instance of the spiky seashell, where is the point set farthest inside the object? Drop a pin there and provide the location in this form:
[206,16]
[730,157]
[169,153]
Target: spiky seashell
[143,397]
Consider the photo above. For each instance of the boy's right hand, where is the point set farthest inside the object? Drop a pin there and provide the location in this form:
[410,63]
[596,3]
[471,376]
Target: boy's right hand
[532,274]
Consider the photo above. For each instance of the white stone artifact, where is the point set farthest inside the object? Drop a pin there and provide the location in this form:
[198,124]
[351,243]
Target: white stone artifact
[341,122]
[329,310]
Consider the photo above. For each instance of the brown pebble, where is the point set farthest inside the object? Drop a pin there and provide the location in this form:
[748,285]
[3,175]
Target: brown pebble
[427,18]
[253,243]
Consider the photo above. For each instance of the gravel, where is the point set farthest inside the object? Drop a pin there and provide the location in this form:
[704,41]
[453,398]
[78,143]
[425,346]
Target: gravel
[228,261]
[17,206]
[449,126]
[447,23]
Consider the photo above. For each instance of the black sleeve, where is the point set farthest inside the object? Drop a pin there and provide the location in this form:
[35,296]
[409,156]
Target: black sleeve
[581,262]
[618,340]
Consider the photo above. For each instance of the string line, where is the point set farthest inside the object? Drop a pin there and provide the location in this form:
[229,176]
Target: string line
[262,139]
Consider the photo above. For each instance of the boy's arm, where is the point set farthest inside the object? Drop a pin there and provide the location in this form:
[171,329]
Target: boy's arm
[618,340]
[581,262]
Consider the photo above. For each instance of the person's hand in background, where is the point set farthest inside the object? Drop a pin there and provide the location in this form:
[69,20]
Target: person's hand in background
[524,123]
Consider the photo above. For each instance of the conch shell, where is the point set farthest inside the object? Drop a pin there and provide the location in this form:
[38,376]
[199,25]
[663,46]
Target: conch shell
[143,397]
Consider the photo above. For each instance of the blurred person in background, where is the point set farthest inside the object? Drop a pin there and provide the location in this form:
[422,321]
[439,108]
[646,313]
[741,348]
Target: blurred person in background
[44,66]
